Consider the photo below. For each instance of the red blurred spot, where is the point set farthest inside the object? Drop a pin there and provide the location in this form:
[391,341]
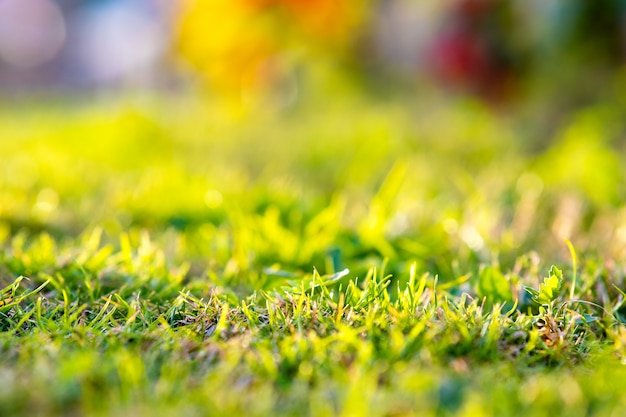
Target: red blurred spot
[465,55]
[460,57]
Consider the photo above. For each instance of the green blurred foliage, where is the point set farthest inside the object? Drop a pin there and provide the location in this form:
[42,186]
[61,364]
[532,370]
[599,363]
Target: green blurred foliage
[448,185]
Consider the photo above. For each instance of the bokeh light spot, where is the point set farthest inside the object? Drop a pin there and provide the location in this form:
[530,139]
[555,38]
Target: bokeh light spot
[47,201]
[31,32]
[213,198]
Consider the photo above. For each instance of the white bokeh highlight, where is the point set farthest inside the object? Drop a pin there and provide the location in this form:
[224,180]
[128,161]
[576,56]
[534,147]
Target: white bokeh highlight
[32,32]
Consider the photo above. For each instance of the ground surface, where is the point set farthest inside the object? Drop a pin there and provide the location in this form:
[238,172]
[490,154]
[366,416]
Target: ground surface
[364,257]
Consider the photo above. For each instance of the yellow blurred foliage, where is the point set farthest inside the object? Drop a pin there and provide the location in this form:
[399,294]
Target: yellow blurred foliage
[240,45]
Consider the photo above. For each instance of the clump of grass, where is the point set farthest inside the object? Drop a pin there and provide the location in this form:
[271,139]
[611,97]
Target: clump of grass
[387,269]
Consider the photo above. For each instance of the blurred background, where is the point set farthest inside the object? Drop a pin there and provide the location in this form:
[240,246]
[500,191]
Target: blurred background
[498,50]
[334,133]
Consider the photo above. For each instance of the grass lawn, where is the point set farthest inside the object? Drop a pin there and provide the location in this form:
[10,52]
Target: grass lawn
[356,257]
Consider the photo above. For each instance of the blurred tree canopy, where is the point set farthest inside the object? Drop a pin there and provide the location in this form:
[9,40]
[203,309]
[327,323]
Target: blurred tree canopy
[245,44]
[492,48]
